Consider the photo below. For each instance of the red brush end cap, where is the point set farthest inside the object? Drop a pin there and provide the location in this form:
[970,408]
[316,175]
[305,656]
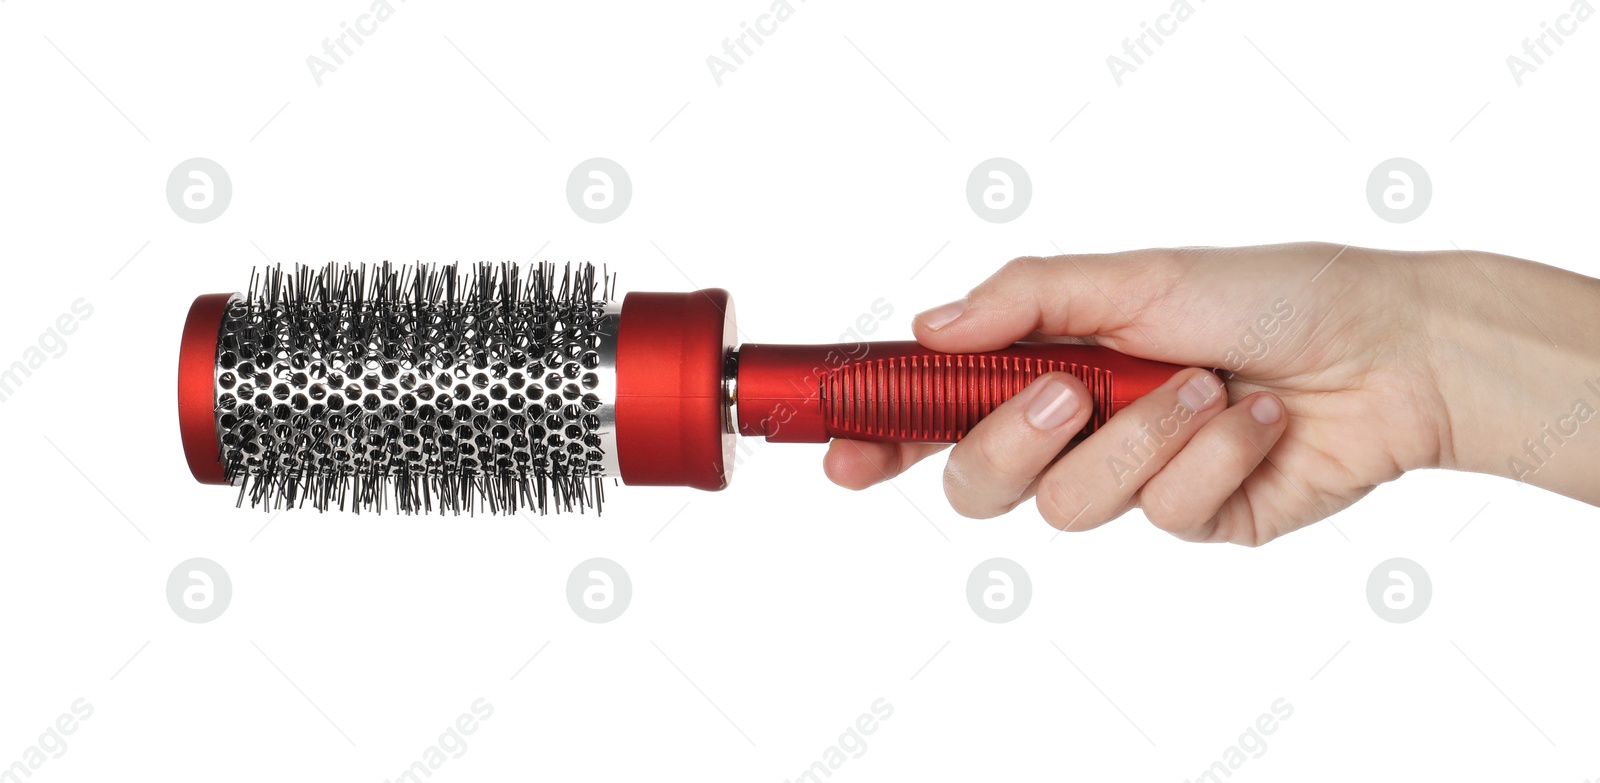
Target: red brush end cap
[197,368]
[673,425]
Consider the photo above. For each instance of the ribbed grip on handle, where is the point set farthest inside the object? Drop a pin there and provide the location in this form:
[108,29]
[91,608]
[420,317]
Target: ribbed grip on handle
[901,391]
[938,397]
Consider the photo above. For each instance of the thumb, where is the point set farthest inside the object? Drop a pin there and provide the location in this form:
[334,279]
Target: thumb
[1075,296]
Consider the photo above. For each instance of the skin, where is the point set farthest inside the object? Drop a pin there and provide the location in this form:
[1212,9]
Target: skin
[1344,368]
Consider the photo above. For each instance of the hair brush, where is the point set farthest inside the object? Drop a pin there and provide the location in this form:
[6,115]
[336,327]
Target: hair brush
[427,387]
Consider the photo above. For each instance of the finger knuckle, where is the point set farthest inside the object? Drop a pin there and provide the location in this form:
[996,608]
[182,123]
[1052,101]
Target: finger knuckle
[1061,503]
[1013,274]
[960,493]
[1250,534]
[1319,251]
[1021,266]
[998,458]
[1235,452]
[1167,511]
[1179,256]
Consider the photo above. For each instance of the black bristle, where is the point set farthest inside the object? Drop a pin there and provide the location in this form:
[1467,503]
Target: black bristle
[416,388]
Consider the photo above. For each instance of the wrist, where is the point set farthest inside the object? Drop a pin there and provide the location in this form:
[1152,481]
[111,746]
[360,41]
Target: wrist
[1511,347]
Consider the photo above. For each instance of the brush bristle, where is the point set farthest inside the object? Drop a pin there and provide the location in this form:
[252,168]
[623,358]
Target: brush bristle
[416,387]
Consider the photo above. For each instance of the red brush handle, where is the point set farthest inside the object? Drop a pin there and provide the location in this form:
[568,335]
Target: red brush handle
[901,391]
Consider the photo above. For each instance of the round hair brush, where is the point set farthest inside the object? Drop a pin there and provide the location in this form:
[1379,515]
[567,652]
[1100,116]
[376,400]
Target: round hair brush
[427,388]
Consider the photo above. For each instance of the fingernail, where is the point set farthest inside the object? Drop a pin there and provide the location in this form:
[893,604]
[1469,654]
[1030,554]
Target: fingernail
[1053,403]
[941,316]
[1266,409]
[1199,392]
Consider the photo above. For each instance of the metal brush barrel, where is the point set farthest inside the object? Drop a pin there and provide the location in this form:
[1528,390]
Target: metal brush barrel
[422,388]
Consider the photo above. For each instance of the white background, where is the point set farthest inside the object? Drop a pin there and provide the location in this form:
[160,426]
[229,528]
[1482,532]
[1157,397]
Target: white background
[765,618]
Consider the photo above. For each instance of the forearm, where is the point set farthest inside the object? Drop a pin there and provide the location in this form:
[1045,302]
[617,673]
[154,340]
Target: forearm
[1516,352]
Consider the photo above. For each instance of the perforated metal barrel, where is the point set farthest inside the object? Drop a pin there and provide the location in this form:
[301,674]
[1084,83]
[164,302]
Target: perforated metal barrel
[425,389]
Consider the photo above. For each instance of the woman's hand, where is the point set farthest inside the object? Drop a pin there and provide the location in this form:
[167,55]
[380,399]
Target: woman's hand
[1340,367]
